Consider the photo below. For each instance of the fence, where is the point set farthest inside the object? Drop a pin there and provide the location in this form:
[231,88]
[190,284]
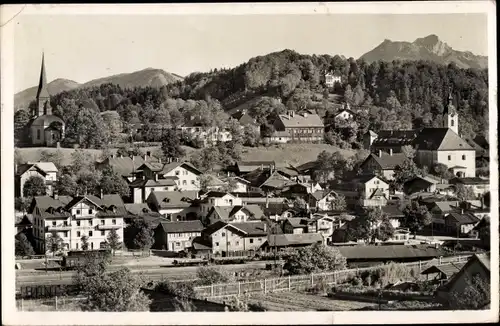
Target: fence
[50,304]
[302,282]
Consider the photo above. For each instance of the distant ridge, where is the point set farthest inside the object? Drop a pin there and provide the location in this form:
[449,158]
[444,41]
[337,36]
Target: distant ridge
[426,48]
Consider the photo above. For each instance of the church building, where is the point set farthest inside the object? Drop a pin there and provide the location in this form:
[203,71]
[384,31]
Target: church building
[46,129]
[432,145]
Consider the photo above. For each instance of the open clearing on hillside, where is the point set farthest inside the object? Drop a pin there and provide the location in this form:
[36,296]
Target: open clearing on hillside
[292,301]
[284,153]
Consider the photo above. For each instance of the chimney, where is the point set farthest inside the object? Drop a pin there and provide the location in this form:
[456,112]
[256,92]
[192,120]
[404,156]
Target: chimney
[462,211]
[156,177]
[379,153]
[102,194]
[267,201]
[121,156]
[55,194]
[145,157]
[113,155]
[148,153]
[390,151]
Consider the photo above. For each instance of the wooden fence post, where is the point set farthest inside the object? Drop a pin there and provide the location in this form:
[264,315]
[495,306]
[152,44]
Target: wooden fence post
[439,260]
[312,279]
[56,303]
[334,278]
[265,287]
[289,284]
[212,290]
[239,288]
[420,266]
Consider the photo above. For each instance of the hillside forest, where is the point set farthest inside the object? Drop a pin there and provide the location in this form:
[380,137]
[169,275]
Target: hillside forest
[385,95]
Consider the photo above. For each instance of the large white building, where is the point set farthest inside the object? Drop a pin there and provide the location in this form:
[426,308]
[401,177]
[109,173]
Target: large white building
[72,218]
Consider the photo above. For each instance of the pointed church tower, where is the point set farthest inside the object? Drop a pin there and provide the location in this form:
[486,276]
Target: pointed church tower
[42,96]
[450,115]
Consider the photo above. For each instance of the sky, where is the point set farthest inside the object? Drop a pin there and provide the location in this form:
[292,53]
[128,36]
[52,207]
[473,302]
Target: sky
[85,47]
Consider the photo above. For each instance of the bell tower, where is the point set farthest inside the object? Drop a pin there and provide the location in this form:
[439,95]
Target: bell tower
[450,115]
[42,95]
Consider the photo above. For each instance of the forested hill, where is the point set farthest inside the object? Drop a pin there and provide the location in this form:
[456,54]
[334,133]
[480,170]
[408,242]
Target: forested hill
[398,94]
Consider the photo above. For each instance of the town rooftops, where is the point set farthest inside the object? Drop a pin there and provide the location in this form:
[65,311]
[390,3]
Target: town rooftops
[126,166]
[440,139]
[395,137]
[153,166]
[462,218]
[167,199]
[168,167]
[244,118]
[43,167]
[390,252]
[46,166]
[139,209]
[153,183]
[245,228]
[305,119]
[297,222]
[392,211]
[387,161]
[285,240]
[276,181]
[182,227]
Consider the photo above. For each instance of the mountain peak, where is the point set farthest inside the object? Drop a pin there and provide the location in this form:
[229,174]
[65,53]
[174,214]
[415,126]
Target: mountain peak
[428,40]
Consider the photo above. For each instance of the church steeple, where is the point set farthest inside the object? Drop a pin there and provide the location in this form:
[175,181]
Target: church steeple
[450,115]
[42,96]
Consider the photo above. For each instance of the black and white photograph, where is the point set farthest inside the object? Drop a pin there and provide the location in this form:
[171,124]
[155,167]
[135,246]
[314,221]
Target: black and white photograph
[268,159]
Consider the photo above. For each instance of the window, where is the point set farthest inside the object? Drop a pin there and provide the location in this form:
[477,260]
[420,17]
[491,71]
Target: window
[78,233]
[102,222]
[223,234]
[91,245]
[78,223]
[449,157]
[452,123]
[251,240]
[103,232]
[184,182]
[177,172]
[90,222]
[54,223]
[228,243]
[65,223]
[216,244]
[463,157]
[177,244]
[66,234]
[113,221]
[78,212]
[77,245]
[90,233]
[192,182]
[38,134]
[90,210]
[260,239]
[237,242]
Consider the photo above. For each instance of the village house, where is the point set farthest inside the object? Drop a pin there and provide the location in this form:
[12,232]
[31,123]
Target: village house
[260,199]
[331,79]
[217,199]
[280,242]
[279,211]
[322,200]
[195,129]
[240,185]
[234,214]
[344,114]
[371,190]
[185,175]
[176,236]
[296,225]
[301,127]
[460,223]
[301,189]
[383,164]
[46,129]
[387,140]
[241,168]
[478,266]
[323,224]
[142,211]
[246,120]
[126,166]
[479,186]
[140,189]
[225,238]
[45,170]
[175,205]
[74,217]
[420,184]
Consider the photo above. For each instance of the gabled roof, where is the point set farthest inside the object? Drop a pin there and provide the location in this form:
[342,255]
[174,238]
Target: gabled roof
[284,240]
[217,194]
[277,208]
[392,211]
[23,168]
[188,166]
[126,166]
[153,166]
[395,137]
[446,206]
[387,161]
[249,166]
[465,218]
[244,118]
[297,222]
[139,209]
[440,139]
[306,119]
[251,228]
[365,178]
[79,199]
[448,270]
[46,166]
[182,227]
[171,199]
[344,110]
[483,260]
[276,181]
[139,183]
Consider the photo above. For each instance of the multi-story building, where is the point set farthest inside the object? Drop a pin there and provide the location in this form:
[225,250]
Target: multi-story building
[175,205]
[195,129]
[300,127]
[331,79]
[126,166]
[382,163]
[218,199]
[72,218]
[176,236]
[45,170]
[233,237]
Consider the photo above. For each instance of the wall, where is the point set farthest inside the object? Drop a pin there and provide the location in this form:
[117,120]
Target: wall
[180,241]
[373,184]
[187,179]
[226,240]
[457,160]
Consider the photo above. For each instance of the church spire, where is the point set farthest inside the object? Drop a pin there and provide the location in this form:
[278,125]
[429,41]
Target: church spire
[42,84]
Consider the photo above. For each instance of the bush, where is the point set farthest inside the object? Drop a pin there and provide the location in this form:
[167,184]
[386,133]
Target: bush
[178,289]
[208,275]
[314,259]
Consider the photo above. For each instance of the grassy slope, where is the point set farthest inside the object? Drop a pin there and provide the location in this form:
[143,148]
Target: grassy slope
[285,153]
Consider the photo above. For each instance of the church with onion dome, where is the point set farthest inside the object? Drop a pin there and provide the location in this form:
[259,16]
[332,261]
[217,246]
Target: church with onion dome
[46,129]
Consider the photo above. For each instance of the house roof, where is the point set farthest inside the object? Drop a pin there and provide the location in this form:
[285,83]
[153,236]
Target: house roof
[465,218]
[297,222]
[395,137]
[168,167]
[306,119]
[284,240]
[446,206]
[470,181]
[170,199]
[448,270]
[344,110]
[182,227]
[440,139]
[139,183]
[251,228]
[153,166]
[139,209]
[387,161]
[46,166]
[22,168]
[392,211]
[277,208]
[307,166]
[200,243]
[389,252]
[126,166]
[482,259]
[276,181]
[249,166]
[244,118]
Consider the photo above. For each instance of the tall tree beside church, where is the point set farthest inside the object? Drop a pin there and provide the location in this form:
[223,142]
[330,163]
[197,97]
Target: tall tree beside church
[87,129]
[21,119]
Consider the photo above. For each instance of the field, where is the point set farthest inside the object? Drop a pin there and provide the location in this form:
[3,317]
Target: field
[291,301]
[285,153]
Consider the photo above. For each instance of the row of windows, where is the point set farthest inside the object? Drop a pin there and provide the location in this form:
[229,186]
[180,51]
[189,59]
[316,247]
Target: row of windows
[91,233]
[238,243]
[184,172]
[78,223]
[306,131]
[186,234]
[463,157]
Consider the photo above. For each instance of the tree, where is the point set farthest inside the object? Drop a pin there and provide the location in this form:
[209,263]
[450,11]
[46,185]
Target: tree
[250,136]
[113,183]
[21,119]
[441,170]
[338,203]
[314,259]
[415,217]
[208,275]
[56,157]
[53,242]
[87,129]
[409,152]
[21,204]
[23,246]
[113,240]
[143,238]
[405,172]
[300,205]
[236,131]
[371,224]
[113,123]
[118,291]
[464,193]
[475,296]
[81,161]
[34,186]
[171,145]
[85,242]
[66,185]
